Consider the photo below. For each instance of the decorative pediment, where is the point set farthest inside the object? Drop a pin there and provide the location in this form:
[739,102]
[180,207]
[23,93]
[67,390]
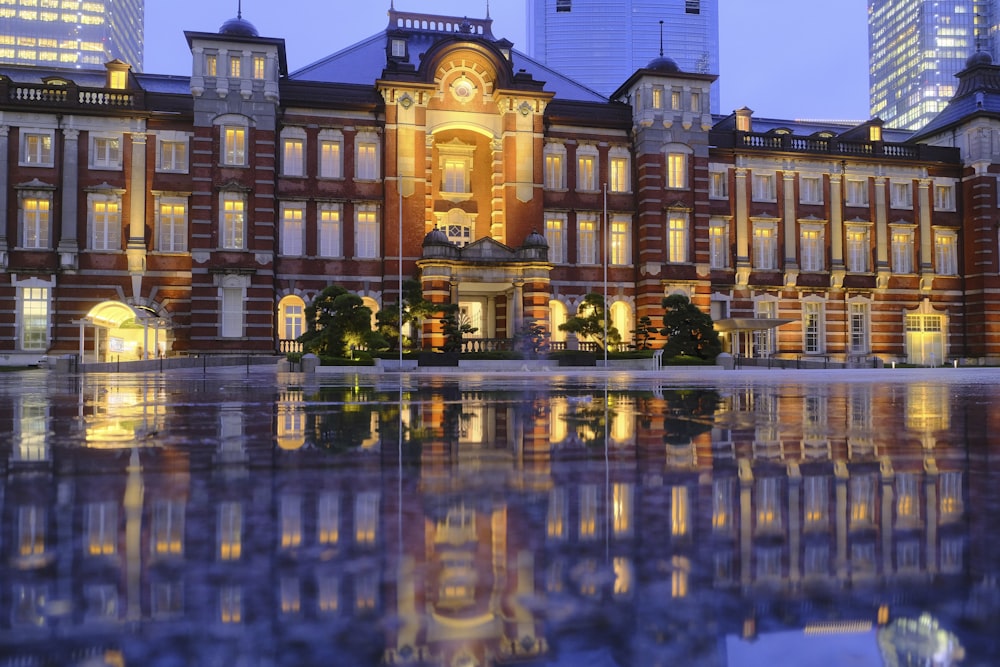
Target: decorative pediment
[488,250]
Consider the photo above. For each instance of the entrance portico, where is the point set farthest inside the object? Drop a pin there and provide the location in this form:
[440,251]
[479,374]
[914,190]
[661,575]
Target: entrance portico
[123,333]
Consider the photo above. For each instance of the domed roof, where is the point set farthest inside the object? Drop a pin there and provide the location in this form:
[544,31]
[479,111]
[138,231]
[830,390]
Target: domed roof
[436,237]
[663,64]
[239,27]
[979,58]
[535,240]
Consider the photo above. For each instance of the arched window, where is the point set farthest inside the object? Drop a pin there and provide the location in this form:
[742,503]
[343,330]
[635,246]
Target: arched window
[291,317]
[621,319]
[373,305]
[557,316]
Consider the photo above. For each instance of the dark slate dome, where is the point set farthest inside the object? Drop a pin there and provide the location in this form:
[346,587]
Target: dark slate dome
[664,64]
[238,27]
[436,237]
[535,240]
[979,58]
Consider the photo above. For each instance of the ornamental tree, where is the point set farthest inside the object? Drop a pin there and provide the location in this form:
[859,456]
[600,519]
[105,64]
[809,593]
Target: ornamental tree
[688,330]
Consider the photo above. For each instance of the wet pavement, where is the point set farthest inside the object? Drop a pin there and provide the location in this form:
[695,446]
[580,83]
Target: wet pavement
[247,517]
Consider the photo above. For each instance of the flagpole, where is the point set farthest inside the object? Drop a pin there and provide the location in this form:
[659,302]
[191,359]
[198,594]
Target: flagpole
[607,249]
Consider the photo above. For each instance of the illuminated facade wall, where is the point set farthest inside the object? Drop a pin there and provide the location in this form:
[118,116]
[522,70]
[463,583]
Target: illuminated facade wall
[622,36]
[915,50]
[71,33]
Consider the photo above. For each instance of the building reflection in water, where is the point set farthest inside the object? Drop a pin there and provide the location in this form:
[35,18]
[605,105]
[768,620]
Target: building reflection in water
[442,525]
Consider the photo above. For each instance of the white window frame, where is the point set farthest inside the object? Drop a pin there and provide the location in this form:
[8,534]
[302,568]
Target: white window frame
[859,327]
[106,151]
[812,247]
[944,196]
[331,154]
[587,168]
[857,253]
[718,183]
[293,229]
[587,245]
[813,326]
[39,218]
[619,170]
[555,235]
[718,243]
[946,252]
[37,148]
[172,150]
[678,237]
[810,189]
[677,170]
[104,221]
[620,240]
[32,333]
[366,238]
[232,310]
[901,194]
[172,226]
[763,186]
[901,245]
[330,224]
[366,156]
[293,152]
[856,192]
[555,166]
[765,246]
[234,138]
[232,221]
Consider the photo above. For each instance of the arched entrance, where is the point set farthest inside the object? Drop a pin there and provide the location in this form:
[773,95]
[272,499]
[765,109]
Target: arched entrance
[926,335]
[123,333]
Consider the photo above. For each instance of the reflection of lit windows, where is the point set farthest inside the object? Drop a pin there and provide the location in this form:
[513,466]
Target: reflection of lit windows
[102,528]
[554,576]
[231,604]
[862,501]
[166,599]
[927,408]
[588,577]
[328,518]
[30,530]
[952,554]
[907,499]
[588,511]
[556,518]
[365,517]
[951,500]
[816,490]
[816,561]
[680,511]
[230,531]
[722,505]
[327,592]
[290,519]
[768,504]
[167,531]
[291,595]
[621,495]
[680,573]
[558,425]
[723,568]
[623,576]
[768,560]
[101,602]
[365,590]
[907,556]
[31,429]
[27,605]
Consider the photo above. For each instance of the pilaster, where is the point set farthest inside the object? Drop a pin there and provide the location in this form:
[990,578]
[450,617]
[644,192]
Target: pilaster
[69,247]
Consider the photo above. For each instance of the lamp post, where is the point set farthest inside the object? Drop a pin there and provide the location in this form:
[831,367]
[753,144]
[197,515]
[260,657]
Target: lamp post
[607,250]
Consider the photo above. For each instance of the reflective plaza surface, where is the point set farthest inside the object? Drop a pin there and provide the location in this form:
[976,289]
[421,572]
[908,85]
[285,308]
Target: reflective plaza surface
[247,517]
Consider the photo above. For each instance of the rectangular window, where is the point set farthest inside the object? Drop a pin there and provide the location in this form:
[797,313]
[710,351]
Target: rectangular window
[230,530]
[34,318]
[211,65]
[857,192]
[675,100]
[657,98]
[232,221]
[677,237]
[454,176]
[902,251]
[232,312]
[763,187]
[258,67]
[105,223]
[367,167]
[765,247]
[812,249]
[330,244]
[586,173]
[331,164]
[718,184]
[812,326]
[235,66]
[366,233]
[945,253]
[621,247]
[555,235]
[944,197]
[173,155]
[586,239]
[676,170]
[555,171]
[293,156]
[696,102]
[718,242]
[36,149]
[171,224]
[692,6]
[857,250]
[234,146]
[292,229]
[619,174]
[398,48]
[811,190]
[901,195]
[859,328]
[106,153]
[564,5]
[35,213]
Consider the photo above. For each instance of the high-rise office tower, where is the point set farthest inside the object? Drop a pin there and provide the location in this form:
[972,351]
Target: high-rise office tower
[71,33]
[915,49]
[600,43]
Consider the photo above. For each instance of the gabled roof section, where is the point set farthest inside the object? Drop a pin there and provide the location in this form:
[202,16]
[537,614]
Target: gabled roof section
[978,94]
[371,59]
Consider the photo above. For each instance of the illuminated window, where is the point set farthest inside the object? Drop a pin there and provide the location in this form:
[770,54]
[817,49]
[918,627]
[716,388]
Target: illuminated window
[293,155]
[858,249]
[171,224]
[696,102]
[944,197]
[812,327]
[366,238]
[620,172]
[173,154]
[455,175]
[945,252]
[763,187]
[234,146]
[117,79]
[901,194]
[211,65]
[677,237]
[235,65]
[35,213]
[813,251]
[768,504]
[718,244]
[36,149]
[232,221]
[293,229]
[230,530]
[676,170]
[330,231]
[331,154]
[902,250]
[366,168]
[765,246]
[657,98]
[555,236]
[586,169]
[718,184]
[811,190]
[33,317]
[857,192]
[258,67]
[555,167]
[586,238]
[105,222]
[951,496]
[621,241]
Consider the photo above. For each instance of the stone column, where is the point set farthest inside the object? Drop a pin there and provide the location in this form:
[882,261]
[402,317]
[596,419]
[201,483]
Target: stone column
[4,131]
[926,234]
[135,248]
[881,235]
[791,228]
[837,269]
[69,247]
[742,229]
[518,314]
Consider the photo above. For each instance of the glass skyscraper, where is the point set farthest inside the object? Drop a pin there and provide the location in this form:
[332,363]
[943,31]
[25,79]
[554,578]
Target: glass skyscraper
[915,48]
[600,43]
[71,33]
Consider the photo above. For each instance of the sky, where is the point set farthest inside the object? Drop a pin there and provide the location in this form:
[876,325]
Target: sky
[789,59]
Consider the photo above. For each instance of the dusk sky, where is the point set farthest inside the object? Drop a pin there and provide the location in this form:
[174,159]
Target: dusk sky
[794,59]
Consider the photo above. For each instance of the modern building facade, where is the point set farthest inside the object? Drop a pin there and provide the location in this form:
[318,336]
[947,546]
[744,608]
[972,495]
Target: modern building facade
[600,44]
[158,215]
[71,33]
[915,51]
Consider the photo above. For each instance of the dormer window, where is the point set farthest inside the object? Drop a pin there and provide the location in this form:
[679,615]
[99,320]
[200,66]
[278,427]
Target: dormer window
[211,65]
[398,47]
[875,133]
[117,79]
